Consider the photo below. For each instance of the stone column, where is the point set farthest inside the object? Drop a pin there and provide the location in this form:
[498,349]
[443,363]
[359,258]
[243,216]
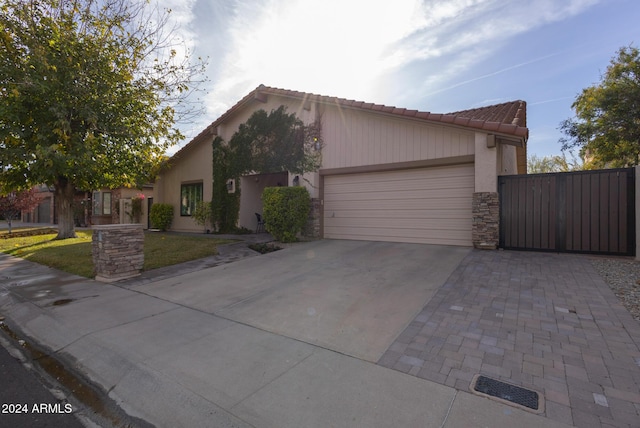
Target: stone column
[485,230]
[118,251]
[312,227]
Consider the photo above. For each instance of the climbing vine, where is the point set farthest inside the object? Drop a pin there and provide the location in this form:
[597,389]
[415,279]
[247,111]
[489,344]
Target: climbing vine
[225,205]
[265,143]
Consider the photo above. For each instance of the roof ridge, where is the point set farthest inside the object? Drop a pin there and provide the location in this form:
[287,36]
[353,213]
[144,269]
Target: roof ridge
[511,114]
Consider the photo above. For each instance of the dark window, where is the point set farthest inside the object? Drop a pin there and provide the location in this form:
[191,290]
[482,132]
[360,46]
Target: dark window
[190,197]
[101,203]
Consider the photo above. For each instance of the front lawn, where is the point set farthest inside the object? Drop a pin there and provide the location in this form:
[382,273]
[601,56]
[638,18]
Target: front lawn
[74,255]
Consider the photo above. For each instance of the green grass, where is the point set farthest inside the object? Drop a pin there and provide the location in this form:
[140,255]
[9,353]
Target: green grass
[74,255]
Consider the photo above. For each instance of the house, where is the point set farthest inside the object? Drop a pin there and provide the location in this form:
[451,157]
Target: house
[116,206]
[387,174]
[103,206]
[44,211]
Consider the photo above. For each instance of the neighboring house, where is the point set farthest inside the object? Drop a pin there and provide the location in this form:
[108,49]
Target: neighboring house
[44,212]
[115,206]
[387,174]
[104,206]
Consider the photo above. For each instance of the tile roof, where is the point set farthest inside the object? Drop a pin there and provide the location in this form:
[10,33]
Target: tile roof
[508,118]
[514,112]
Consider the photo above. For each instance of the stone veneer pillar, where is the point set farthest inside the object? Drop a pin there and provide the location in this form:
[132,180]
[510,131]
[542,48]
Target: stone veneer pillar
[312,227]
[485,230]
[118,251]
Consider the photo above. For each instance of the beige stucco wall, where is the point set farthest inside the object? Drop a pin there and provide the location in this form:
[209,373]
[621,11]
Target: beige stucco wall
[491,160]
[193,166]
[356,138]
[508,160]
[486,165]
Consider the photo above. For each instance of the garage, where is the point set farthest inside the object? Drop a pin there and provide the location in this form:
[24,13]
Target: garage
[423,205]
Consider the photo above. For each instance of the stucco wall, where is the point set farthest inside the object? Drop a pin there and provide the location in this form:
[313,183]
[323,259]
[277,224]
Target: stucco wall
[356,138]
[486,165]
[194,165]
[508,160]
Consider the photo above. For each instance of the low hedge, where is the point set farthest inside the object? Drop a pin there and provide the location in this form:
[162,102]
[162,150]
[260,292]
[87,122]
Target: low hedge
[285,211]
[161,216]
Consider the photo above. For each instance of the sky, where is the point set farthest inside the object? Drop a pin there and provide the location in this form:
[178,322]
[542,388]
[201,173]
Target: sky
[432,55]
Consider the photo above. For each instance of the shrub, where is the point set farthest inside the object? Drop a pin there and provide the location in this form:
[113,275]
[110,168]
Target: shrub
[285,211]
[161,216]
[202,214]
[136,208]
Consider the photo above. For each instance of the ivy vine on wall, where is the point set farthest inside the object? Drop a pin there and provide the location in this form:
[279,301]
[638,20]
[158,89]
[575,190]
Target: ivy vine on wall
[266,143]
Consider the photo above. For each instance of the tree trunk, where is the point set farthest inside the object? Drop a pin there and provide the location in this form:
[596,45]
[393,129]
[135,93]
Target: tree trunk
[64,191]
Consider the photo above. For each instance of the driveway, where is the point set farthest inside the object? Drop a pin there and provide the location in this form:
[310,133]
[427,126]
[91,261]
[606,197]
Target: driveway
[353,297]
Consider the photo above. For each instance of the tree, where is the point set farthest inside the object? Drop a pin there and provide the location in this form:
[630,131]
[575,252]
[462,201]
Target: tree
[265,143]
[607,122]
[12,204]
[89,97]
[557,163]
[202,214]
[275,142]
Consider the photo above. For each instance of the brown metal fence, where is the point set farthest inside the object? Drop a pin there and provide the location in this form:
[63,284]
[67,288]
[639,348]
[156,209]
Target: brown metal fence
[584,211]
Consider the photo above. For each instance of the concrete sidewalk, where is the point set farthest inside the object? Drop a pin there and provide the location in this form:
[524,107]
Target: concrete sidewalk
[175,365]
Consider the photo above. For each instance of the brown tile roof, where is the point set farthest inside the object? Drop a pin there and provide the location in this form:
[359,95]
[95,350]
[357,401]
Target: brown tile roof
[514,112]
[508,119]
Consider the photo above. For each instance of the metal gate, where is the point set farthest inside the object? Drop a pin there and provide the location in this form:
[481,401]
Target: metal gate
[584,211]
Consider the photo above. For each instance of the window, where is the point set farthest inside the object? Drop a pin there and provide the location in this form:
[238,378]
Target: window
[190,197]
[101,203]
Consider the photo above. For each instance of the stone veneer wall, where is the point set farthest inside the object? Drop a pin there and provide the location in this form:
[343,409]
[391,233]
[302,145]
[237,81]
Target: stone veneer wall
[118,251]
[485,232]
[312,228]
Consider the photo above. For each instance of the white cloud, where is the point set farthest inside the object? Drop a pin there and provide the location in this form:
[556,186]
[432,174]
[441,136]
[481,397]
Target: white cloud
[471,30]
[359,48]
[331,47]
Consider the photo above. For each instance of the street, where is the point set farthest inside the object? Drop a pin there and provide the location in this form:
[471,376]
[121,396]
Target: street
[25,401]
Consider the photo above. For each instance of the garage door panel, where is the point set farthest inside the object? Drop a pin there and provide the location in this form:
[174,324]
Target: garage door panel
[392,214]
[401,194]
[407,239]
[407,185]
[399,234]
[428,205]
[407,174]
[435,204]
[397,223]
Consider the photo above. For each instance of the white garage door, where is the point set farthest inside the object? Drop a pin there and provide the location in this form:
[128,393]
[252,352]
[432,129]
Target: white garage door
[426,205]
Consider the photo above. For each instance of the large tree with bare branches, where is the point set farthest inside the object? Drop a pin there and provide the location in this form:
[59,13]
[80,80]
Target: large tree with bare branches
[90,94]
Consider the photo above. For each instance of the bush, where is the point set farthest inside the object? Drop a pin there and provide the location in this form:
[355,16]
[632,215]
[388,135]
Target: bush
[285,211]
[202,214]
[161,216]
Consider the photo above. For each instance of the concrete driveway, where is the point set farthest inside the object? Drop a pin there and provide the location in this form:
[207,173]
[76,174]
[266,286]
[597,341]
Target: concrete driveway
[353,297]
